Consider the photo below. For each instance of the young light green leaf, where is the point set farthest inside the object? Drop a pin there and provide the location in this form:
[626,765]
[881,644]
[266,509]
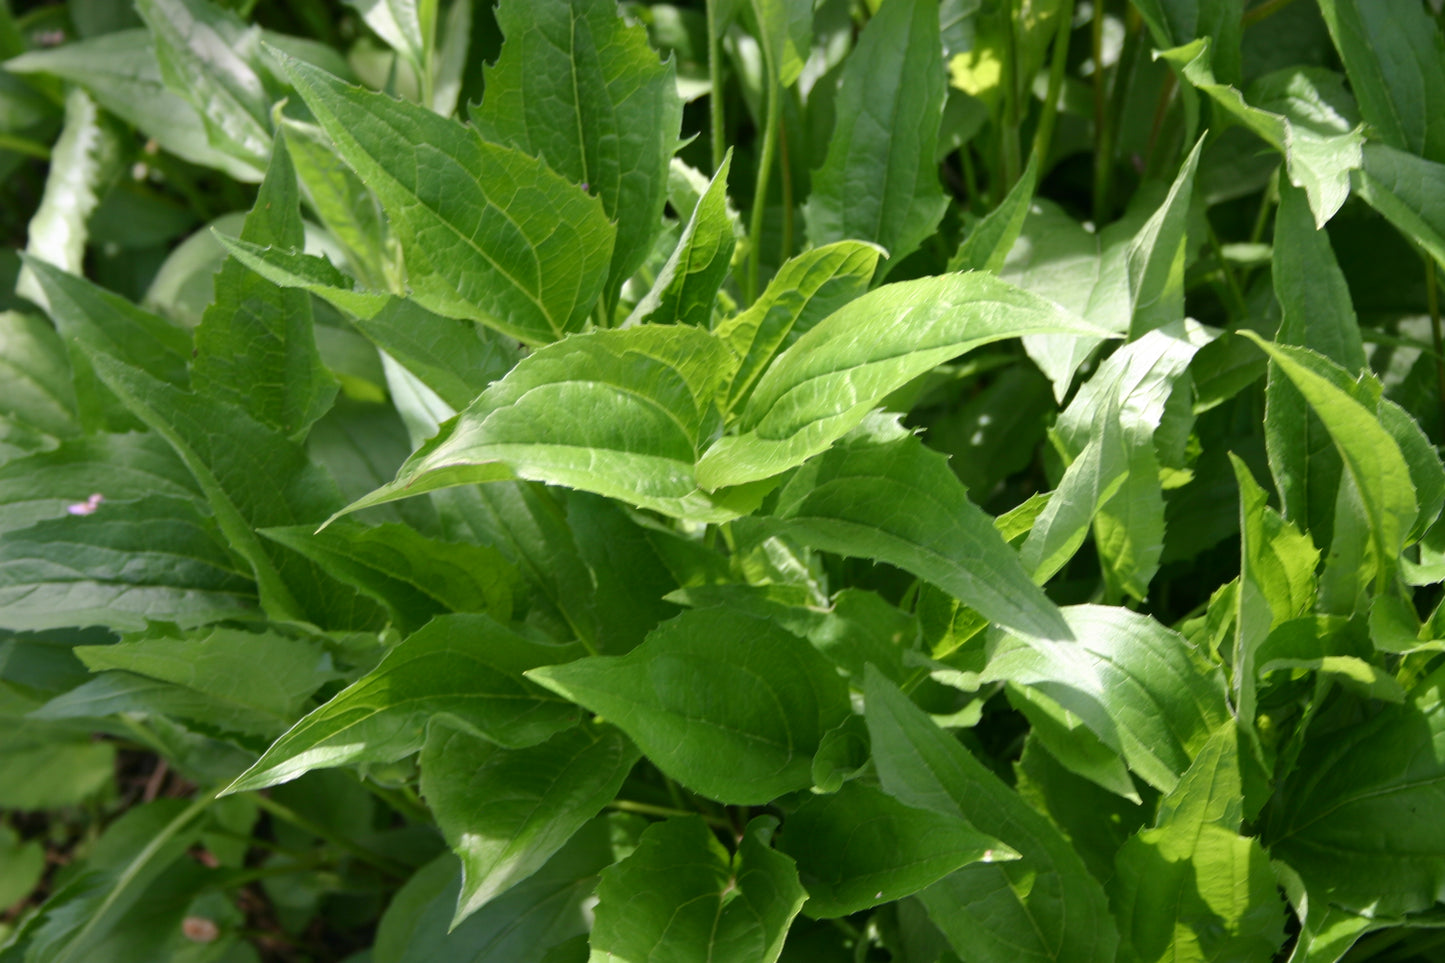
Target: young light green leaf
[860,847]
[1371,455]
[987,245]
[1295,114]
[409,26]
[680,896]
[1191,887]
[785,28]
[288,268]
[1045,906]
[118,564]
[848,501]
[1133,682]
[345,206]
[1157,256]
[1277,583]
[255,348]
[619,413]
[1395,59]
[880,180]
[413,576]
[687,285]
[1355,817]
[466,667]
[487,232]
[120,72]
[728,704]
[827,382]
[209,57]
[805,290]
[505,812]
[83,163]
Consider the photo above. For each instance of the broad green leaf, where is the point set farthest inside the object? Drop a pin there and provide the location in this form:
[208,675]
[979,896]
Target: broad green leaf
[209,57]
[581,89]
[1044,906]
[860,847]
[1137,684]
[487,232]
[848,501]
[831,377]
[249,682]
[987,245]
[619,413]
[1157,256]
[83,163]
[38,391]
[120,72]
[1175,22]
[1407,190]
[681,896]
[1316,313]
[1191,888]
[118,565]
[1395,59]
[785,28]
[1277,583]
[1426,472]
[254,347]
[687,285]
[505,812]
[1067,739]
[728,704]
[880,179]
[467,667]
[540,916]
[805,290]
[1371,455]
[413,576]
[1109,430]
[1356,819]
[1295,114]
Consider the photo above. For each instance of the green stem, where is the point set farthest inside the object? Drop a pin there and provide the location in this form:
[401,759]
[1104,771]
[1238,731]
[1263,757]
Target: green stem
[1010,152]
[647,809]
[1231,284]
[787,185]
[375,860]
[1045,132]
[714,77]
[133,871]
[1103,147]
[765,167]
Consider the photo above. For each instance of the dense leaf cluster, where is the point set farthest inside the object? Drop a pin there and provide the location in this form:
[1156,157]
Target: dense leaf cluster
[913,480]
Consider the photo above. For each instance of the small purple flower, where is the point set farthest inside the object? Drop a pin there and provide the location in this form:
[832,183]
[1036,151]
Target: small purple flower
[86,507]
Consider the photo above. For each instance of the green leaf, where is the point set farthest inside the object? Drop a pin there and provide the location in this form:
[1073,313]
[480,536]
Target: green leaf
[1406,189]
[120,72]
[254,347]
[680,895]
[118,565]
[847,501]
[1395,59]
[38,391]
[726,703]
[1191,887]
[832,376]
[619,413]
[1157,256]
[345,206]
[209,57]
[805,290]
[687,285]
[543,913]
[466,667]
[413,576]
[505,812]
[286,267]
[82,165]
[1371,455]
[487,232]
[1317,313]
[860,847]
[1134,682]
[1276,583]
[456,359]
[580,88]
[1044,906]
[987,245]
[1295,113]
[785,29]
[880,179]
[1174,22]
[409,26]
[1355,819]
